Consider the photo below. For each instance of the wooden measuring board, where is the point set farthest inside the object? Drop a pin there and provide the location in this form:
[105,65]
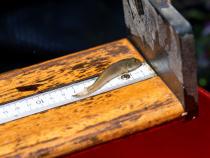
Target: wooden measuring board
[86,122]
[66,94]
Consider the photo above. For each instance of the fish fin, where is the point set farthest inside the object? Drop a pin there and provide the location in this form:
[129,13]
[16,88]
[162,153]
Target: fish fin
[81,94]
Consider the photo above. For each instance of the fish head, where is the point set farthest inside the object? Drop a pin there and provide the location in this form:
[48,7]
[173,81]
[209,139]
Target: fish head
[133,64]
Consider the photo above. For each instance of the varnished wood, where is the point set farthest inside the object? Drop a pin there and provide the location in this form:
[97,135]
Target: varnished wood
[87,122]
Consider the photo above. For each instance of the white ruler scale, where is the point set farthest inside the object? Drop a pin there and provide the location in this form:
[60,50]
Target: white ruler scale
[64,95]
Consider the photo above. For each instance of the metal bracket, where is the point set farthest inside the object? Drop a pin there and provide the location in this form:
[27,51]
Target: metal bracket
[166,41]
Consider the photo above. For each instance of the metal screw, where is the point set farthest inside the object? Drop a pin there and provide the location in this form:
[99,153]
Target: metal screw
[125,76]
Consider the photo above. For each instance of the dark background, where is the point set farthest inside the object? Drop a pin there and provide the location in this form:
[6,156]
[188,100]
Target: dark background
[37,30]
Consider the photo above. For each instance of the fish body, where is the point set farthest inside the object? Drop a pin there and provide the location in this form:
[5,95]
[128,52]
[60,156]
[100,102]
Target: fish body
[117,69]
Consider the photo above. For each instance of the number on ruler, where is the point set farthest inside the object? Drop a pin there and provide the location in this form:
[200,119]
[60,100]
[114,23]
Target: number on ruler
[40,101]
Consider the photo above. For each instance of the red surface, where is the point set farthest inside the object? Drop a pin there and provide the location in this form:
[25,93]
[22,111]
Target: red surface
[179,139]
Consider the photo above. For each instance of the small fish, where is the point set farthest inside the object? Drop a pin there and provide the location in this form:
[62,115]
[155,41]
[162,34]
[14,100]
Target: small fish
[117,69]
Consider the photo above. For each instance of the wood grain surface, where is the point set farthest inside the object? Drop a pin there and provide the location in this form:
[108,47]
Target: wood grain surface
[87,122]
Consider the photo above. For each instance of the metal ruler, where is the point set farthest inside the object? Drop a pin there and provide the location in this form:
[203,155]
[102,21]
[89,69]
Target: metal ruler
[64,95]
